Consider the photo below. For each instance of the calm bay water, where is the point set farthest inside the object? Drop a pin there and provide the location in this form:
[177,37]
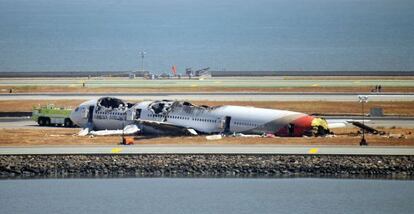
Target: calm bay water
[169,195]
[64,35]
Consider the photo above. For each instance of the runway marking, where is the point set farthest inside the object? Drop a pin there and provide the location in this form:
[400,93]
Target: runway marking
[313,151]
[116,150]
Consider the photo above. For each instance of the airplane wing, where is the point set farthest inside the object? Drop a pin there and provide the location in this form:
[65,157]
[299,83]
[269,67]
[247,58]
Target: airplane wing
[164,128]
[84,132]
[128,130]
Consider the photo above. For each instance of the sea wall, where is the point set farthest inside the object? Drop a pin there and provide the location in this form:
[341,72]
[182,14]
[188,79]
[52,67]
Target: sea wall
[204,165]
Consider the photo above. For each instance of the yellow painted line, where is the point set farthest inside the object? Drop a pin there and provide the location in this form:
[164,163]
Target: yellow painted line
[356,82]
[315,85]
[116,150]
[313,151]
[194,85]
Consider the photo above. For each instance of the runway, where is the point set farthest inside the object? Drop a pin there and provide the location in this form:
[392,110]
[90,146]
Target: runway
[240,82]
[208,149]
[214,96]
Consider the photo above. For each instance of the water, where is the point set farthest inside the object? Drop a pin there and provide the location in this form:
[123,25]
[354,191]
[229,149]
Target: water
[70,35]
[169,195]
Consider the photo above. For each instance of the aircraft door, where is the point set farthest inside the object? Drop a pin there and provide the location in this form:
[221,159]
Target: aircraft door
[291,129]
[138,113]
[130,115]
[90,115]
[226,125]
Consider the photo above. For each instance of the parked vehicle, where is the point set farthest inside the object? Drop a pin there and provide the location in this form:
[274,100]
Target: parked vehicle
[50,115]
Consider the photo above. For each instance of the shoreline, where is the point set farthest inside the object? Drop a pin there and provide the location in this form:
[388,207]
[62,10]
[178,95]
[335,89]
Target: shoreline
[205,165]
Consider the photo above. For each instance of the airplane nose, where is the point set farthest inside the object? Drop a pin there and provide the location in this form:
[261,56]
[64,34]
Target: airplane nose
[74,118]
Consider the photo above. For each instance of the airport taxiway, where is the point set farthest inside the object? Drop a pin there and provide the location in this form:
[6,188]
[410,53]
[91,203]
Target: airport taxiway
[215,96]
[243,82]
[208,149]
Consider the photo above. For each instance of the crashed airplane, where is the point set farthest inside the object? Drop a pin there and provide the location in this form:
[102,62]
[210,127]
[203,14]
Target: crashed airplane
[109,116]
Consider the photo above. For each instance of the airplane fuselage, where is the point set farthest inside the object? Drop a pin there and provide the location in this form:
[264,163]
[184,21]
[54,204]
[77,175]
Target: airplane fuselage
[203,119]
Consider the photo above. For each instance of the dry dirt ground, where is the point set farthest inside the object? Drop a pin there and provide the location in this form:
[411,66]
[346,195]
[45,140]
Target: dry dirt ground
[68,136]
[310,107]
[79,89]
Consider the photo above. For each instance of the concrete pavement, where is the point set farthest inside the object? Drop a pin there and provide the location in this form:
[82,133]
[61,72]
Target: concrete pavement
[208,149]
[215,96]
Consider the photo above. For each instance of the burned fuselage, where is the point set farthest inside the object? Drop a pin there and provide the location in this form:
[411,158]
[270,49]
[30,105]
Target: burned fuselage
[177,118]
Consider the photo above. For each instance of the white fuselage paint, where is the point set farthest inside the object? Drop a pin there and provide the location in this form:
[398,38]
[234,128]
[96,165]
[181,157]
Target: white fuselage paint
[243,119]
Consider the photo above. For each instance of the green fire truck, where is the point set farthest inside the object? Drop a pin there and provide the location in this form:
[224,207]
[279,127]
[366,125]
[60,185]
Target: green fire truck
[50,115]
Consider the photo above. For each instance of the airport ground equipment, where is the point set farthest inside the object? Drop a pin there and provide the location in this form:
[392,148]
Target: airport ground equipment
[50,115]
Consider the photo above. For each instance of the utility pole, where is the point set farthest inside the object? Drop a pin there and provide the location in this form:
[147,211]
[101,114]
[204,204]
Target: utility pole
[142,53]
[362,100]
